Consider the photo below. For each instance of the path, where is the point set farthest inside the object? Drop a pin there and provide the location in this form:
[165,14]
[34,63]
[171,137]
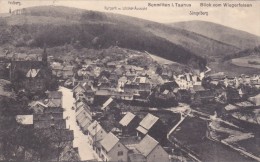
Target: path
[241,150]
[184,110]
[173,129]
[80,139]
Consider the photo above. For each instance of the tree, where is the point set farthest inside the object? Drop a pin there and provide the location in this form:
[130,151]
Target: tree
[159,70]
[53,84]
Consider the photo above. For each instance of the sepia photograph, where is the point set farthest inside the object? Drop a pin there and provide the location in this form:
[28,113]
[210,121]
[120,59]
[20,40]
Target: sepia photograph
[130,81]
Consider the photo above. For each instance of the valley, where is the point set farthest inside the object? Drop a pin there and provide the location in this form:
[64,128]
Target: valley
[90,82]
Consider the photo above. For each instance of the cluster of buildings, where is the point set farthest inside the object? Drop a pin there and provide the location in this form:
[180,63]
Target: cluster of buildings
[48,120]
[133,139]
[123,82]
[96,84]
[95,87]
[98,80]
[233,89]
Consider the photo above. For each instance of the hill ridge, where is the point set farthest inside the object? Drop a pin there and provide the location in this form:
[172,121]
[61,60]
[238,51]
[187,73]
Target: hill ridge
[236,37]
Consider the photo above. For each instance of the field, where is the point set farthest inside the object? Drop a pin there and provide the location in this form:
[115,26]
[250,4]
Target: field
[192,134]
[252,145]
[249,61]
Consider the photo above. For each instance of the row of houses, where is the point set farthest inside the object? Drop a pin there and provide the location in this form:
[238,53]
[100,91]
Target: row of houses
[86,91]
[141,147]
[134,92]
[221,78]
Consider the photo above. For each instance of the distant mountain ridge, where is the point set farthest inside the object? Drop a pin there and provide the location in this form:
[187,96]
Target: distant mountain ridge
[237,38]
[59,25]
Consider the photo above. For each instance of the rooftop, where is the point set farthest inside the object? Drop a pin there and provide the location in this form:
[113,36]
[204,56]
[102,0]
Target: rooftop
[148,121]
[109,141]
[54,95]
[24,119]
[68,68]
[198,88]
[106,103]
[146,146]
[32,73]
[127,119]
[54,103]
[94,128]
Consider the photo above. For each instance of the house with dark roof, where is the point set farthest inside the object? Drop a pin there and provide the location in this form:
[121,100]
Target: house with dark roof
[197,88]
[204,96]
[127,96]
[55,124]
[48,116]
[153,126]
[232,95]
[101,96]
[89,96]
[200,94]
[183,95]
[131,87]
[41,108]
[113,79]
[67,71]
[53,110]
[148,150]
[112,149]
[129,123]
[111,65]
[79,88]
[142,96]
[37,107]
[217,76]
[54,99]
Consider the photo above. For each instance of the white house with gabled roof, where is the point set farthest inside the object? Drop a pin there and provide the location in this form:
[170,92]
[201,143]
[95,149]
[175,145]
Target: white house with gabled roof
[150,151]
[112,149]
[95,133]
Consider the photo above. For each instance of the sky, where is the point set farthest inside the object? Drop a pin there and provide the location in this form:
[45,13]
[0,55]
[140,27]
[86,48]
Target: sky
[242,18]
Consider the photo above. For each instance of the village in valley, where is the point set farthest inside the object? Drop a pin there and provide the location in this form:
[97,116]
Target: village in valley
[85,85]
[125,105]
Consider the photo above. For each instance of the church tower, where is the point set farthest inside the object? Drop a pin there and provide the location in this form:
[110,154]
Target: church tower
[10,11]
[44,56]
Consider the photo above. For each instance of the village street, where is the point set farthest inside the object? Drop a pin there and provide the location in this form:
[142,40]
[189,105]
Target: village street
[80,139]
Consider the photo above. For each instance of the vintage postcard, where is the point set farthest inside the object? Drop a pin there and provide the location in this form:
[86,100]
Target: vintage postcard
[130,81]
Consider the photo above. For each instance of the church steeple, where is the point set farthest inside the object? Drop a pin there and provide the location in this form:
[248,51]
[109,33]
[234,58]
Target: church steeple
[44,56]
[10,11]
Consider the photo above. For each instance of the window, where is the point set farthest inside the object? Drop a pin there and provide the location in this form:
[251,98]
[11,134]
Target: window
[120,153]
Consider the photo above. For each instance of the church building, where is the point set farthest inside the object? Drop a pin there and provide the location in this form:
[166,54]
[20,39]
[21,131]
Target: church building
[32,76]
